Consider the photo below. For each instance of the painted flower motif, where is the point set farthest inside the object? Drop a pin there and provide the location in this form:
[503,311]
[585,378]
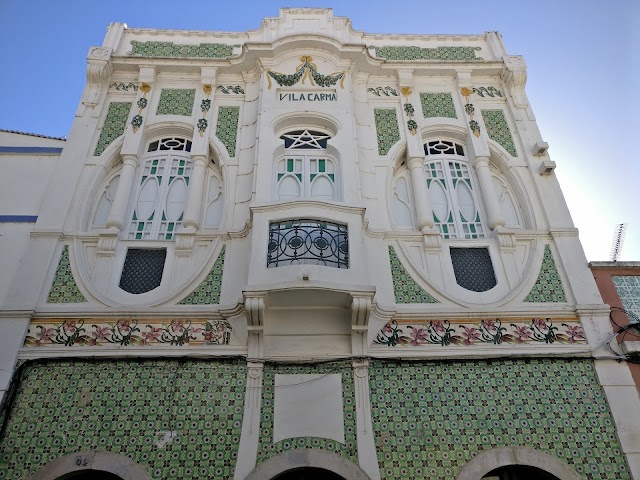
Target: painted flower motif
[202,125]
[69,326]
[406,91]
[418,335]
[124,325]
[45,335]
[210,337]
[489,325]
[153,335]
[205,105]
[575,333]
[136,122]
[470,334]
[387,328]
[100,333]
[177,326]
[540,324]
[465,91]
[523,333]
[142,103]
[207,89]
[409,109]
[437,326]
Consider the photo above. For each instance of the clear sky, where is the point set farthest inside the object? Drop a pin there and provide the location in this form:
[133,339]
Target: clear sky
[583,62]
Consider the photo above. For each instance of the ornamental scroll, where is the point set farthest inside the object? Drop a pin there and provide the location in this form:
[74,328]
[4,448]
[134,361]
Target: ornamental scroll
[306,70]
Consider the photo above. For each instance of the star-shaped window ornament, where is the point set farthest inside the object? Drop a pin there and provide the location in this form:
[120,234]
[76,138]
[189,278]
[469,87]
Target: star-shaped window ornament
[305,139]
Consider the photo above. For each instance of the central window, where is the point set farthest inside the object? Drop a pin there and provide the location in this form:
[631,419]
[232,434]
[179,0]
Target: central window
[451,188]
[305,170]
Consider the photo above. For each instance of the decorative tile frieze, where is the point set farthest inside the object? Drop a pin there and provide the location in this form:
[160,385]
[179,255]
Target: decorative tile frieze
[494,331]
[498,130]
[124,87]
[437,105]
[176,101]
[548,287]
[489,91]
[628,288]
[405,288]
[208,292]
[179,419]
[227,128]
[231,89]
[430,419]
[386,128]
[125,332]
[173,50]
[64,288]
[380,91]
[267,448]
[113,126]
[307,70]
[418,53]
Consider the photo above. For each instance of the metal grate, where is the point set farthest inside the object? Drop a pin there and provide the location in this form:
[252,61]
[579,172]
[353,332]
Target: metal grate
[308,242]
[142,271]
[473,268]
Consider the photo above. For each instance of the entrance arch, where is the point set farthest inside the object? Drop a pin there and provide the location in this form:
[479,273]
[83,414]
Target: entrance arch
[492,460]
[307,462]
[94,465]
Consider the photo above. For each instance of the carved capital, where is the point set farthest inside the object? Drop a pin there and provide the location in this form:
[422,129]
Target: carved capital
[107,243]
[506,238]
[185,240]
[514,75]
[254,306]
[432,240]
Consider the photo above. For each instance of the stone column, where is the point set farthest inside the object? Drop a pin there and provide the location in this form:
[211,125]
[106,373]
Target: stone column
[193,206]
[424,213]
[117,216]
[494,215]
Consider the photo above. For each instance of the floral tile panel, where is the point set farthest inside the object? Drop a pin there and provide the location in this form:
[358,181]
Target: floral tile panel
[494,331]
[123,332]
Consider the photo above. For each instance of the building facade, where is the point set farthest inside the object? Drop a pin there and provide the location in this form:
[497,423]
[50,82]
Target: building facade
[305,251]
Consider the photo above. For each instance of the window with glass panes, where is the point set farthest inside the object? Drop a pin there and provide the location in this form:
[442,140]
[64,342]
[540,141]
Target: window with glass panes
[158,205]
[456,211]
[306,171]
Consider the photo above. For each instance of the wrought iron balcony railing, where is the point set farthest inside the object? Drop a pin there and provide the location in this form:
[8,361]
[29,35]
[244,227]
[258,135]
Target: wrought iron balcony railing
[308,242]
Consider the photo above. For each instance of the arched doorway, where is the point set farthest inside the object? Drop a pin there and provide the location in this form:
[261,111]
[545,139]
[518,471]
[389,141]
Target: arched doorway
[519,472]
[309,474]
[90,475]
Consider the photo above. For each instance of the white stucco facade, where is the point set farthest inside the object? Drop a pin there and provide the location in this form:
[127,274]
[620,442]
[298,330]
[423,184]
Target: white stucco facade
[421,151]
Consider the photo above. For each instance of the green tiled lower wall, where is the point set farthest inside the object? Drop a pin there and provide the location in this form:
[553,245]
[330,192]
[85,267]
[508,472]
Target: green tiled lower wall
[122,406]
[268,449]
[430,419]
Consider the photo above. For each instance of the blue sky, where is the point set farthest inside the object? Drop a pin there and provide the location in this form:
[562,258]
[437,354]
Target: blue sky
[582,56]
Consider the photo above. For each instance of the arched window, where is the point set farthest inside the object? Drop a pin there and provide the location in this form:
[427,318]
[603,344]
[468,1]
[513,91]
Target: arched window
[306,170]
[158,204]
[106,200]
[456,211]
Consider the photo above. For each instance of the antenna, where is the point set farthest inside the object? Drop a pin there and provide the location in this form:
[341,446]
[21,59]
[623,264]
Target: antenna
[618,240]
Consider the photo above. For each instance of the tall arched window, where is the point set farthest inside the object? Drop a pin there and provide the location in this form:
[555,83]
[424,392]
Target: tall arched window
[158,204]
[306,170]
[456,210]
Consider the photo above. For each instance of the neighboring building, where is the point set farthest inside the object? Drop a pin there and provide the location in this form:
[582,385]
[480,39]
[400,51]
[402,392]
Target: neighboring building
[619,285]
[303,251]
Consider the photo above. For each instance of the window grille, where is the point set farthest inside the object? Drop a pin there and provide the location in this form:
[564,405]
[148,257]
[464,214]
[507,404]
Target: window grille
[142,271]
[308,242]
[473,269]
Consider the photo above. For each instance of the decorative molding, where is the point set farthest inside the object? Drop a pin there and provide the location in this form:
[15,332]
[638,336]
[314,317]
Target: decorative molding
[136,121]
[205,106]
[474,332]
[548,287]
[306,70]
[489,91]
[469,109]
[114,124]
[64,288]
[405,288]
[124,332]
[231,89]
[386,91]
[498,130]
[173,50]
[418,53]
[208,292]
[387,130]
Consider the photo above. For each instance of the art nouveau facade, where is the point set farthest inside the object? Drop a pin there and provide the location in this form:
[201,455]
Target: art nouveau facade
[306,246]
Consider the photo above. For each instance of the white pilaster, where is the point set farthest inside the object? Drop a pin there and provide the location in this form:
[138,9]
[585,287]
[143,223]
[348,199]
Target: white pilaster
[117,216]
[193,207]
[494,215]
[421,200]
[367,457]
[250,436]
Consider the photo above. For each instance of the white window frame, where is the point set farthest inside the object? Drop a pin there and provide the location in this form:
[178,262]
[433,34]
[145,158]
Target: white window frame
[449,169]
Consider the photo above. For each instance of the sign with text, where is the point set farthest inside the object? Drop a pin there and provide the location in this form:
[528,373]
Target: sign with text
[307,96]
